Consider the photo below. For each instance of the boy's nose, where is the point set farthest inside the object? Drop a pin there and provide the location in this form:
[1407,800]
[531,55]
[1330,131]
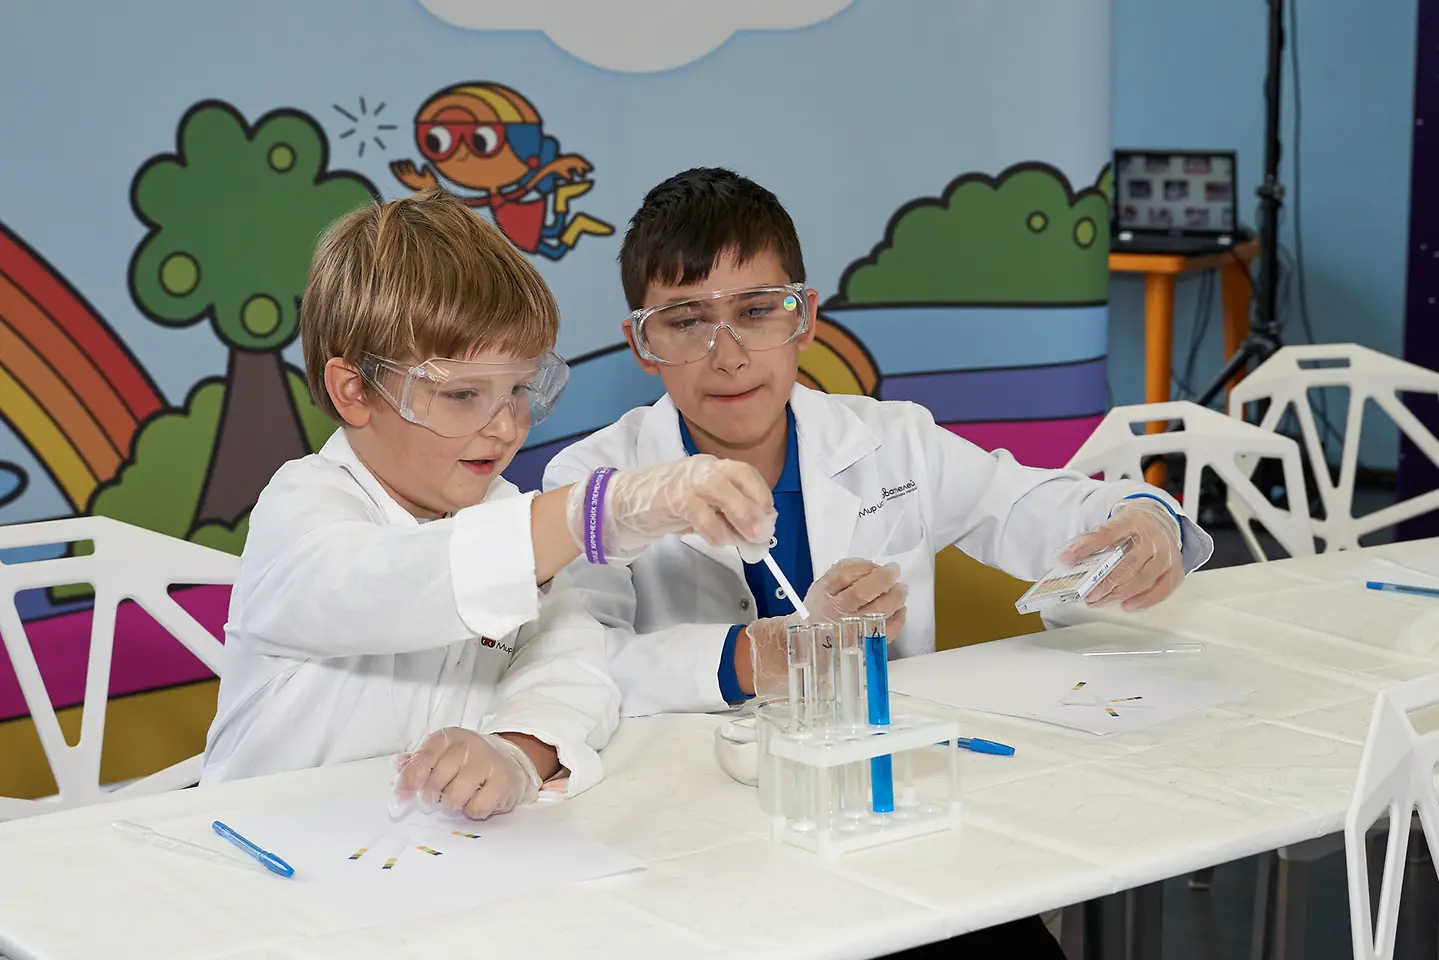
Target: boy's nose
[728,352]
[504,425]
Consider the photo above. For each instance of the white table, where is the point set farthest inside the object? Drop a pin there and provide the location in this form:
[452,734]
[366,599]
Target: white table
[1071,817]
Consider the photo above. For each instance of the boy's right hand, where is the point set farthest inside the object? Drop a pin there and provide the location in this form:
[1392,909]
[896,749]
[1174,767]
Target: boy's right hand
[477,773]
[850,588]
[724,501]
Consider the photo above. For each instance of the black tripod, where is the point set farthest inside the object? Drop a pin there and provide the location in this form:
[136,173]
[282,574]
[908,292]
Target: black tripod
[1264,327]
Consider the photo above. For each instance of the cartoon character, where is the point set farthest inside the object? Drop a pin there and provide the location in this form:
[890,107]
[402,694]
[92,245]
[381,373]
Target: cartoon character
[486,147]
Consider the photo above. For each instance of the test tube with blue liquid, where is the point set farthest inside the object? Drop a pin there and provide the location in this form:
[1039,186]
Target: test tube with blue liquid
[876,665]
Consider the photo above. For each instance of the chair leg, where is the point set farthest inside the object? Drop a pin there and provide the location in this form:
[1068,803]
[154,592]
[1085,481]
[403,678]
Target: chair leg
[1071,931]
[1264,904]
[1202,879]
[1292,894]
[1417,932]
[1144,909]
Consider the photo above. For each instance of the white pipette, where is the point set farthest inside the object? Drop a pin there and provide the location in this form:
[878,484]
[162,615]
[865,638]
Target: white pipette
[144,834]
[784,583]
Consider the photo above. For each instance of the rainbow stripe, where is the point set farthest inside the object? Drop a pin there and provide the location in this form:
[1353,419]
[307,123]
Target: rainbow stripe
[468,836]
[430,851]
[68,386]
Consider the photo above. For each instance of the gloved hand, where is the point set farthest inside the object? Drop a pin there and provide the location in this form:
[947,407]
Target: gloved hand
[850,588]
[479,773]
[1153,565]
[724,501]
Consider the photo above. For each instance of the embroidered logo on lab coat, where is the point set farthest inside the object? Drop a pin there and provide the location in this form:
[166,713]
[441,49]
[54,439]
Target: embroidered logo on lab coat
[886,494]
[504,648]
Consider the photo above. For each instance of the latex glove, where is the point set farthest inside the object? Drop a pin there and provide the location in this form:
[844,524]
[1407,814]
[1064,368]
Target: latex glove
[1153,564]
[724,501]
[479,773]
[850,588]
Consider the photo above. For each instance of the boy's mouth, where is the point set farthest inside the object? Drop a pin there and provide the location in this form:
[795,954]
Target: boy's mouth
[480,468]
[734,397]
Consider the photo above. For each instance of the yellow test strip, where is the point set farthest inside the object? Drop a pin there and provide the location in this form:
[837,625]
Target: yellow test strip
[424,849]
[359,853]
[389,863]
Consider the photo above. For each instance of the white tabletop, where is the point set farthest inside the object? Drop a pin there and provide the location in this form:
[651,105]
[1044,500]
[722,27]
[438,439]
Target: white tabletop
[1068,818]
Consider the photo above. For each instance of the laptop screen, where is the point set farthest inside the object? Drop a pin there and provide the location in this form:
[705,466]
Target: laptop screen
[1174,192]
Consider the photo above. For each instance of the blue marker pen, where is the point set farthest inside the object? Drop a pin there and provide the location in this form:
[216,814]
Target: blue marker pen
[271,862]
[876,666]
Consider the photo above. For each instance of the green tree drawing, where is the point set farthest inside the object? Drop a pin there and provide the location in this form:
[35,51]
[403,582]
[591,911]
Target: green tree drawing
[1021,237]
[233,217]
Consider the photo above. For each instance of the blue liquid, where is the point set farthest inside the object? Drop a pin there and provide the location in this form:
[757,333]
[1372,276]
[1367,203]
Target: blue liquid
[881,769]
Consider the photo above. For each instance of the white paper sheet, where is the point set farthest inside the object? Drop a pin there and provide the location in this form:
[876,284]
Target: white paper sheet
[518,852]
[1419,571]
[1017,678]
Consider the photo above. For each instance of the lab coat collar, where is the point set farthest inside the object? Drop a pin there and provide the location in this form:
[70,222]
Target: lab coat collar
[337,449]
[832,438]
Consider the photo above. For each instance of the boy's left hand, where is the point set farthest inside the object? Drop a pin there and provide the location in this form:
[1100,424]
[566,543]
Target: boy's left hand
[1153,564]
[479,773]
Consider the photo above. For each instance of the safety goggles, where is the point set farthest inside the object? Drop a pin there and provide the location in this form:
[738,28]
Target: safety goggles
[439,139]
[759,318]
[457,398]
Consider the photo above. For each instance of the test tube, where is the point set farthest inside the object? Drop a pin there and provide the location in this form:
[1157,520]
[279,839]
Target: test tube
[826,664]
[876,664]
[851,715]
[801,676]
[802,698]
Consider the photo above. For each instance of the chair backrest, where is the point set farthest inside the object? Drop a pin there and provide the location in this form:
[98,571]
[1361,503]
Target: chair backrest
[1286,380]
[127,562]
[1208,439]
[1396,775]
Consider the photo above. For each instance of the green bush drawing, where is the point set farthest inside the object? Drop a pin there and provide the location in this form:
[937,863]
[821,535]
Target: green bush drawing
[1023,237]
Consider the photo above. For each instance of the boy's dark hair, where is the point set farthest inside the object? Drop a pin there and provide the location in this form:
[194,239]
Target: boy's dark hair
[688,222]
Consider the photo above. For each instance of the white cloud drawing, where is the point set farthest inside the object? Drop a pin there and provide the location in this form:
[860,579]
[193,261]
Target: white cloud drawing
[636,36]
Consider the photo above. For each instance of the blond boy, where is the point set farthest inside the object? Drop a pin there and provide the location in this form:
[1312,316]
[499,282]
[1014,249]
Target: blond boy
[387,582]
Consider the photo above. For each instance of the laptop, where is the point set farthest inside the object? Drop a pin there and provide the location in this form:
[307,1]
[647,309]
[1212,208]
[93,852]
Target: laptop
[1174,201]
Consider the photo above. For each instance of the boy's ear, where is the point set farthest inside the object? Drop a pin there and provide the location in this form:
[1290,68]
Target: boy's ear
[346,388]
[812,296]
[648,366]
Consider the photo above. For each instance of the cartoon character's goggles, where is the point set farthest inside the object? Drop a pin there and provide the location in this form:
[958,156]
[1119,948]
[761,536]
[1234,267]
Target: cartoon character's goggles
[439,139]
[457,398]
[759,318]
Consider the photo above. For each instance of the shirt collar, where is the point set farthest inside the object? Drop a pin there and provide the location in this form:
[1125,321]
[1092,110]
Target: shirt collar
[788,476]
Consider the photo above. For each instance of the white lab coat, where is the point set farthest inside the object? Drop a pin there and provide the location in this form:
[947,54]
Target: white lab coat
[355,630]
[881,481]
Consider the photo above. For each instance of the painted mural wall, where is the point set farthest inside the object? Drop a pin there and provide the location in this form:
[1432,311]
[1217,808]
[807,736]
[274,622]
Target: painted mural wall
[169,166]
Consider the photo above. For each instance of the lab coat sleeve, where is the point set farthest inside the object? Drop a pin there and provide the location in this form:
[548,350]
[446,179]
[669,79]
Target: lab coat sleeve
[1019,518]
[323,579]
[674,670]
[558,689]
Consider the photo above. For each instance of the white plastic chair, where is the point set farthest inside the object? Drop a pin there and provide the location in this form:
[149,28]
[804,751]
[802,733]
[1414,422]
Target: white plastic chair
[1285,380]
[128,562]
[1208,439]
[1396,775]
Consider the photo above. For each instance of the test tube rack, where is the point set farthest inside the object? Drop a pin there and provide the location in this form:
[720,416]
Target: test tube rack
[821,783]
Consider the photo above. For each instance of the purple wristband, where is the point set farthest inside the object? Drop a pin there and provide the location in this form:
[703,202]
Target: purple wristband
[595,514]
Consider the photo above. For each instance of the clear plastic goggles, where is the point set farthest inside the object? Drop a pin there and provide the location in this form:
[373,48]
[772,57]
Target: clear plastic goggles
[759,318]
[457,398]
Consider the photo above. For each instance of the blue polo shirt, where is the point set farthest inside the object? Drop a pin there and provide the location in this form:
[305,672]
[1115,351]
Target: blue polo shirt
[791,552]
